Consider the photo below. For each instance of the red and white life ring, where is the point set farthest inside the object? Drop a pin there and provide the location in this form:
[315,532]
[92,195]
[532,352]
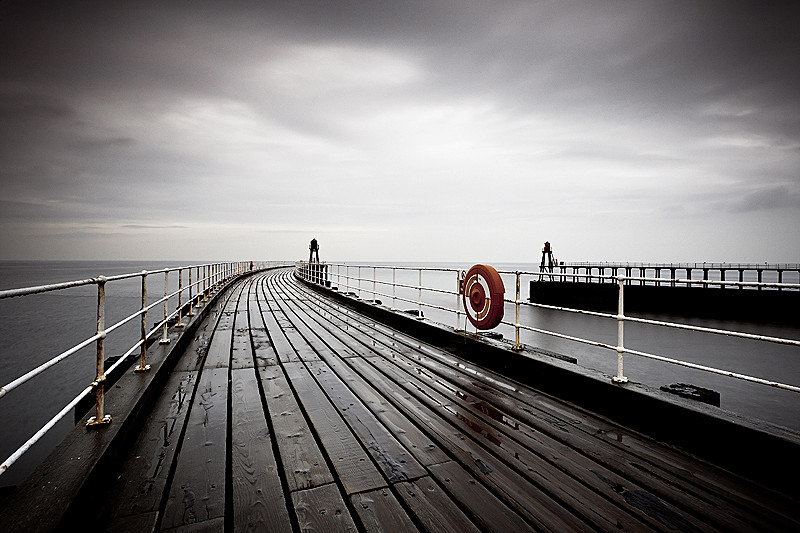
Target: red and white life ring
[483,292]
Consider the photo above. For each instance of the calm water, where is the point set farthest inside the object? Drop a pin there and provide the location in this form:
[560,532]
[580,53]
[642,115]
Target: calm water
[36,328]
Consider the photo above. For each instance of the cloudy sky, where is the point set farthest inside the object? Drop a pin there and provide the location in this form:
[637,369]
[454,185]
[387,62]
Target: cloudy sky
[400,131]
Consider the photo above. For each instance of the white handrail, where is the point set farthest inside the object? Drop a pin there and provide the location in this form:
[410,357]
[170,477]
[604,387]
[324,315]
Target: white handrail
[215,274]
[302,270]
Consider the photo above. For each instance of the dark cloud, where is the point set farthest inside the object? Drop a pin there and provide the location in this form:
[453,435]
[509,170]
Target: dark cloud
[280,115]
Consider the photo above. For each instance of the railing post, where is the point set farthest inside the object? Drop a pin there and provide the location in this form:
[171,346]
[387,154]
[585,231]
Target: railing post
[180,302]
[100,419]
[620,377]
[164,339]
[394,288]
[359,282]
[205,281]
[374,297]
[458,301]
[191,300]
[419,298]
[143,367]
[517,345]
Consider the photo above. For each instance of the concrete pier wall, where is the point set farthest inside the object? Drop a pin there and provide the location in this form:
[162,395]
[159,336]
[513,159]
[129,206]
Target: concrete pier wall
[728,304]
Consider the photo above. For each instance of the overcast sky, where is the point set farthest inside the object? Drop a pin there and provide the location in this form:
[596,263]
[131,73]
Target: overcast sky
[400,131]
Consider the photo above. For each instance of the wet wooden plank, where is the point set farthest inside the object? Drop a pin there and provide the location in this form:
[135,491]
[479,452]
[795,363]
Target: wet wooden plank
[219,349]
[486,510]
[433,507]
[586,457]
[198,489]
[140,486]
[415,440]
[193,356]
[352,464]
[264,353]
[591,450]
[303,349]
[303,462]
[379,511]
[241,349]
[509,484]
[322,509]
[138,523]
[574,482]
[391,456]
[195,353]
[279,341]
[258,499]
[309,329]
[603,481]
[217,525]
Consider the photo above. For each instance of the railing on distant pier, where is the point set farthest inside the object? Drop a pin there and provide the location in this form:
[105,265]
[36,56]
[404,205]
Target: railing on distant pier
[348,278]
[208,278]
[653,273]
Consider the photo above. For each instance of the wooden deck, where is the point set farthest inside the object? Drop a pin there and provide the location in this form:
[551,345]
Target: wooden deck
[291,412]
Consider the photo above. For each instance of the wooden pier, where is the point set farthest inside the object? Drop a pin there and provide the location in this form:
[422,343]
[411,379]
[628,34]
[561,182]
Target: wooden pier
[286,410]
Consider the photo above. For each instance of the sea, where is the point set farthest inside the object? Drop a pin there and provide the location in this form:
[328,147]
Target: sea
[34,329]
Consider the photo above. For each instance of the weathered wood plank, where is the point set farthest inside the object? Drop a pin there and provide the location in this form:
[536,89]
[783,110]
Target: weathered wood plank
[219,349]
[508,483]
[352,464]
[226,318]
[322,509]
[593,462]
[241,349]
[416,441]
[304,351]
[573,485]
[391,456]
[279,341]
[198,488]
[216,525]
[303,463]
[310,330]
[138,523]
[140,486]
[434,509]
[486,510]
[258,499]
[580,447]
[195,353]
[705,503]
[264,352]
[380,511]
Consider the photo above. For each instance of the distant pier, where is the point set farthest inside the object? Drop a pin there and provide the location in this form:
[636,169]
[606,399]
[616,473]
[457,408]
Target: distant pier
[741,272]
[734,291]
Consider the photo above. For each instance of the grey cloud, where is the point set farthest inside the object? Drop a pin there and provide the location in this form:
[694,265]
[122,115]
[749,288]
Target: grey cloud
[766,199]
[162,114]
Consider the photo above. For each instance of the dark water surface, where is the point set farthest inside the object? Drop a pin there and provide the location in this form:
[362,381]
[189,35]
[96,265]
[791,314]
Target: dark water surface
[36,328]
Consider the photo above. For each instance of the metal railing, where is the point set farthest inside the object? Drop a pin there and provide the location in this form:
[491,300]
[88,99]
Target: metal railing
[350,277]
[208,278]
[582,271]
